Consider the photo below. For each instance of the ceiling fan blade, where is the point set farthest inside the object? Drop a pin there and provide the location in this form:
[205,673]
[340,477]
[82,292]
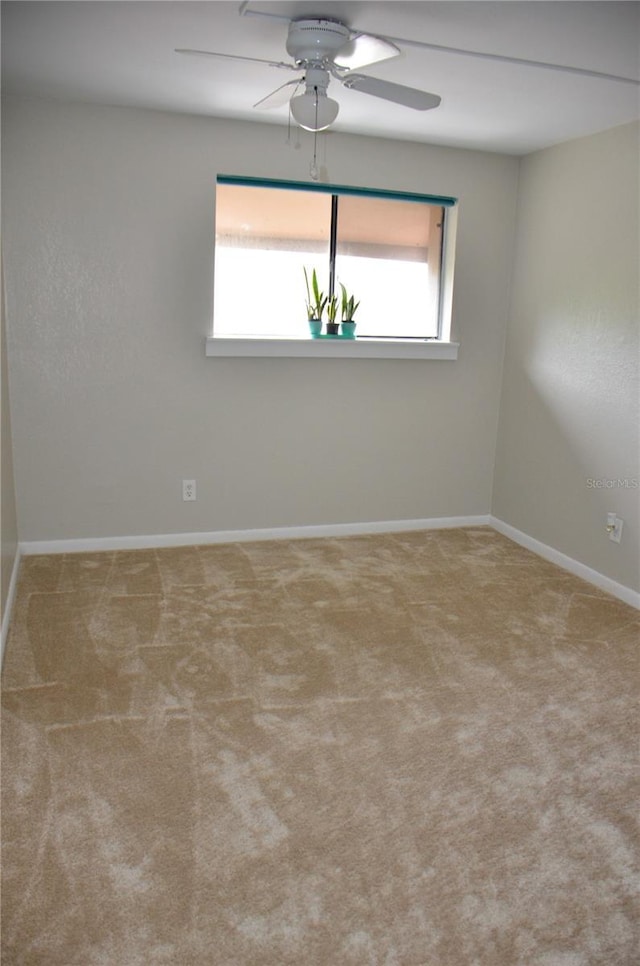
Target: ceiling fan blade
[401,42]
[279,97]
[398,93]
[364,49]
[252,60]
[521,61]
[245,11]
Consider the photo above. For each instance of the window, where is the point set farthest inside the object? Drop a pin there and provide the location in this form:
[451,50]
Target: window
[264,238]
[387,248]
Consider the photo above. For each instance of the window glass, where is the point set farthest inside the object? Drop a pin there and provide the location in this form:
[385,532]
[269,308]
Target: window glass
[264,238]
[386,251]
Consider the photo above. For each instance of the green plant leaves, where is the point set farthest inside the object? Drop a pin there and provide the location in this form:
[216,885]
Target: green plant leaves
[316,299]
[348,305]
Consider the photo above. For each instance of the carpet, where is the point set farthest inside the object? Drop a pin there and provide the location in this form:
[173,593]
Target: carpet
[411,749]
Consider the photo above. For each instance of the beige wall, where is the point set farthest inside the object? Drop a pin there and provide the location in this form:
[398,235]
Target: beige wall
[9,542]
[108,218]
[569,409]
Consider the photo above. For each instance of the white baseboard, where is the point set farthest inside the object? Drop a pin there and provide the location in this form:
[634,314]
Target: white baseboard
[8,604]
[151,541]
[626,594]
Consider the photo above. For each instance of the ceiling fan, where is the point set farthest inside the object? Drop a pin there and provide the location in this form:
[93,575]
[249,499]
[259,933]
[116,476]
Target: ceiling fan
[322,49]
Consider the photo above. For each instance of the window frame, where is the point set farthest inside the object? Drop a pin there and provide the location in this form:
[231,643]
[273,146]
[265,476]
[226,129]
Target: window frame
[435,347]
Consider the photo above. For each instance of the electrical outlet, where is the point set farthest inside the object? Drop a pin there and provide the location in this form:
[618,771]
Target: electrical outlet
[614,527]
[616,533]
[188,490]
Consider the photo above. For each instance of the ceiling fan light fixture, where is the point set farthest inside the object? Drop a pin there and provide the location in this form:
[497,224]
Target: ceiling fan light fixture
[313,110]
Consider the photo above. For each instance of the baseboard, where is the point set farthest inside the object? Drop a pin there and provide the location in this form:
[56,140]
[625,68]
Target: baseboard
[626,594]
[8,604]
[151,541]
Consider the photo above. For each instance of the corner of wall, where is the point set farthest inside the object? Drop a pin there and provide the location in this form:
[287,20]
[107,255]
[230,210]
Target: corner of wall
[567,445]
[10,551]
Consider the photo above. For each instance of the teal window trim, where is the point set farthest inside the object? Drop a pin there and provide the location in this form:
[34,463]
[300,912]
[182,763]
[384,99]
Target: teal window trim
[337,189]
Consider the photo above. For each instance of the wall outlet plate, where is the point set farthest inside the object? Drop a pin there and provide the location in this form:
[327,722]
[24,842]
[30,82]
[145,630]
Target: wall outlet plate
[188,490]
[616,533]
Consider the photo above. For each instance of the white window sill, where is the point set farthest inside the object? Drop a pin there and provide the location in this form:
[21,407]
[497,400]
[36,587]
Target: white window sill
[332,348]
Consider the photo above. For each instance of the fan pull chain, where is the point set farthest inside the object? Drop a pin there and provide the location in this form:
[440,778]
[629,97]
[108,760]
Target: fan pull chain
[289,116]
[313,168]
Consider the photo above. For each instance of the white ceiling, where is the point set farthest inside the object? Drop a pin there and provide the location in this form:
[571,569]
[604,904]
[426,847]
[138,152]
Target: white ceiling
[123,53]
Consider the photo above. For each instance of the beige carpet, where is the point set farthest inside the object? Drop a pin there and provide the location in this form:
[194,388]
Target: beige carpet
[416,749]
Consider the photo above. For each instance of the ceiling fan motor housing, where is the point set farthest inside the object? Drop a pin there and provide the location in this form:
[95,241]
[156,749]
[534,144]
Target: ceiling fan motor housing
[316,40]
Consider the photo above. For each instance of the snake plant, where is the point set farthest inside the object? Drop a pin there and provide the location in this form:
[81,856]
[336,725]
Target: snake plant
[316,300]
[348,305]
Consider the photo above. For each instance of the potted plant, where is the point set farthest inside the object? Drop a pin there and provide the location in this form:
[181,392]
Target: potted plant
[332,311]
[348,307]
[316,301]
